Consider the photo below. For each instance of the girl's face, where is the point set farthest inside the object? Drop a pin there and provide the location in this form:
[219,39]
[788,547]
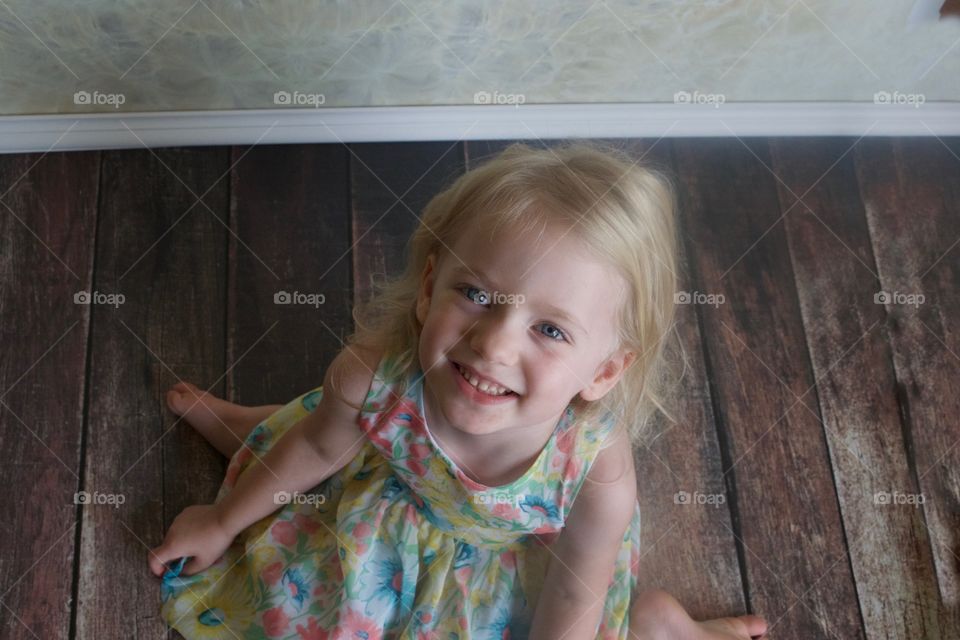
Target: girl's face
[538,318]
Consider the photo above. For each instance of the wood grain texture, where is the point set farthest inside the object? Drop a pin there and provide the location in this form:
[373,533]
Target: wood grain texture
[290,234]
[680,481]
[47,227]
[785,507]
[802,398]
[911,191]
[166,255]
[836,282]
[390,185]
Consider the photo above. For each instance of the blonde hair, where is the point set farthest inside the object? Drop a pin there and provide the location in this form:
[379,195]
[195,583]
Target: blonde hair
[622,212]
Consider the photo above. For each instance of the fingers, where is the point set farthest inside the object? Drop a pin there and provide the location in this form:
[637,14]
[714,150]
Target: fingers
[157,558]
[163,558]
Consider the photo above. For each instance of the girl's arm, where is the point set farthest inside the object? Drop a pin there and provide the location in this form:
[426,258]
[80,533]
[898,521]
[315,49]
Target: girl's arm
[311,451]
[583,556]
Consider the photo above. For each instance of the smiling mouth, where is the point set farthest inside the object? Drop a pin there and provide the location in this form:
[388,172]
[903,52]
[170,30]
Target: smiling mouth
[483,386]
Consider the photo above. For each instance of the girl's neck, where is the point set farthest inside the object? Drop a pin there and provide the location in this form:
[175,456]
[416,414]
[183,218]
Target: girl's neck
[495,454]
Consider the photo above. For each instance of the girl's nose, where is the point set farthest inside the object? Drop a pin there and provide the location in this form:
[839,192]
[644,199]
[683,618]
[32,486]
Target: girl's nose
[495,340]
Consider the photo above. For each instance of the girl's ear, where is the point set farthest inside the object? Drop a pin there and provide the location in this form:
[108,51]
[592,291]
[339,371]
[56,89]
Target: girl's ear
[425,293]
[608,374]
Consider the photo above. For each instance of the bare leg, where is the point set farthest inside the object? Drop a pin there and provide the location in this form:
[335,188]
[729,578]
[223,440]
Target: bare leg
[656,615]
[224,424]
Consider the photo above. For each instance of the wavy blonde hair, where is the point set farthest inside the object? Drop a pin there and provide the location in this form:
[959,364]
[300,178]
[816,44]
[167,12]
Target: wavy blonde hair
[622,212]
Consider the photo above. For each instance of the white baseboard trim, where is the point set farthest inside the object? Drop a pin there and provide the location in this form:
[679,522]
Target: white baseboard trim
[31,133]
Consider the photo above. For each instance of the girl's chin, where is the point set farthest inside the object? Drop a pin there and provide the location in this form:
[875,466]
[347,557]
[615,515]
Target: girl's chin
[469,419]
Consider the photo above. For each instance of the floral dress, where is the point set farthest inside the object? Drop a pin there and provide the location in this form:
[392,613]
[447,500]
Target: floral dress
[398,544]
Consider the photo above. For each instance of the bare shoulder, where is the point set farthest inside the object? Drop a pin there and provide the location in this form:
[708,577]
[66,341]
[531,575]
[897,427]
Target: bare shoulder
[608,494]
[333,427]
[614,463]
[350,374]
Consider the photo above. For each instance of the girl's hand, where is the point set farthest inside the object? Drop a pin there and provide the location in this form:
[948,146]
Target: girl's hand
[196,531]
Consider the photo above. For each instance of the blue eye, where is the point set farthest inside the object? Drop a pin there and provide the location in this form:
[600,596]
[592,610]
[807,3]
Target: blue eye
[483,294]
[559,334]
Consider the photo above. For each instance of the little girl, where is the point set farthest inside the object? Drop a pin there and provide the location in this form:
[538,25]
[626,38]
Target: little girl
[465,469]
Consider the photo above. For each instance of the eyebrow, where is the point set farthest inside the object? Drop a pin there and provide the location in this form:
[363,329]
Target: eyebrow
[464,270]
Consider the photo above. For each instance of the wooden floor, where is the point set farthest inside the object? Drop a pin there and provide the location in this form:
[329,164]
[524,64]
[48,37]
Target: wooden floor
[818,445]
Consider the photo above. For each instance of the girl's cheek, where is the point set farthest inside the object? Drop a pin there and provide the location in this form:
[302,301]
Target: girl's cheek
[447,318]
[440,327]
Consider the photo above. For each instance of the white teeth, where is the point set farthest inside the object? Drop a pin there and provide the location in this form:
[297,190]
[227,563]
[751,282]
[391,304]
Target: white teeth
[489,389]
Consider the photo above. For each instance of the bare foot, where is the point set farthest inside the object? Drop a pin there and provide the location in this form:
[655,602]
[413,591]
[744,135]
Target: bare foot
[748,626]
[224,424]
[656,615]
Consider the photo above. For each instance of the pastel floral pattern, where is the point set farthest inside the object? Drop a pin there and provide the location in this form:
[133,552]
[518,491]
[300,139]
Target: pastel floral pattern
[400,543]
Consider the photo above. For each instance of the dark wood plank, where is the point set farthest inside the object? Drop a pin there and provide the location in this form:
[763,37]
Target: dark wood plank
[776,463]
[477,151]
[47,230]
[291,233]
[679,471]
[390,186]
[836,282]
[911,193]
[167,256]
